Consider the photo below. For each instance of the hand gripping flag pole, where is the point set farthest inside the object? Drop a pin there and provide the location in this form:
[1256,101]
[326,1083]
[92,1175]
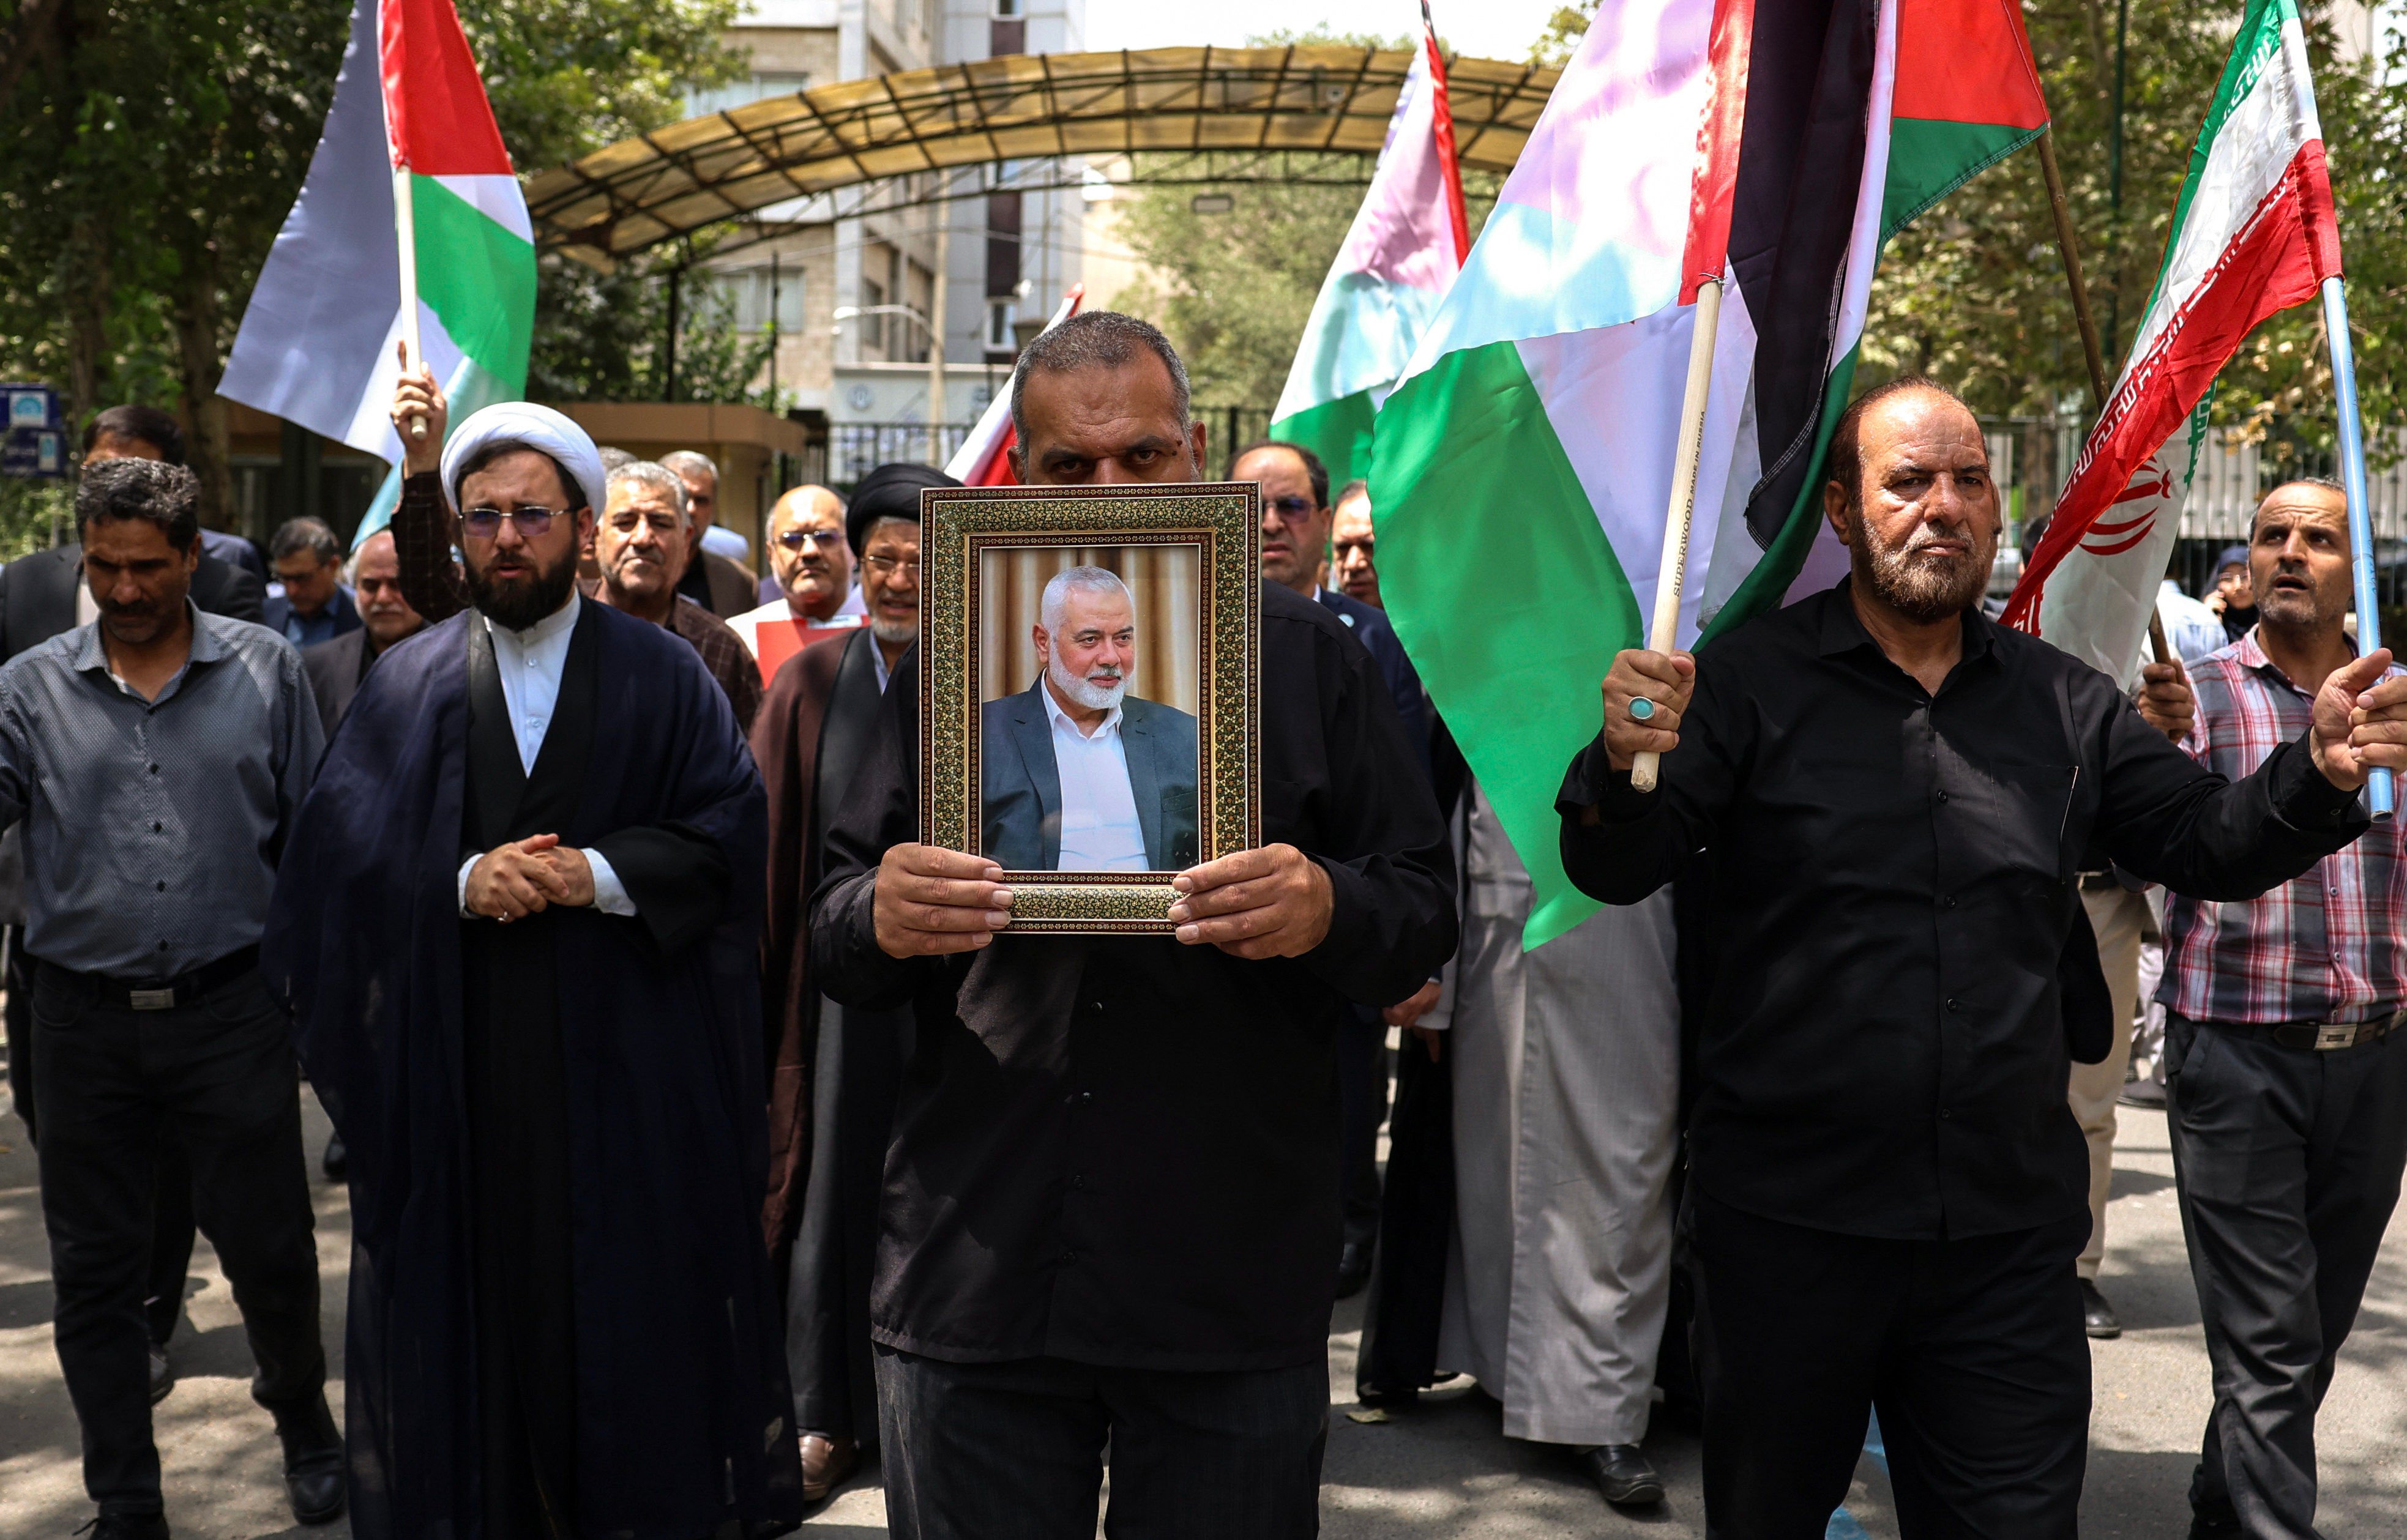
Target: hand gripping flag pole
[2380,792]
[1705,264]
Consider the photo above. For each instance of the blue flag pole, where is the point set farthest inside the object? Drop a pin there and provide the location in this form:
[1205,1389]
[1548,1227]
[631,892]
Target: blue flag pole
[2378,792]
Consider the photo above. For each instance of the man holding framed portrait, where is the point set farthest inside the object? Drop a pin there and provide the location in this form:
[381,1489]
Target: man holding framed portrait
[1112,1195]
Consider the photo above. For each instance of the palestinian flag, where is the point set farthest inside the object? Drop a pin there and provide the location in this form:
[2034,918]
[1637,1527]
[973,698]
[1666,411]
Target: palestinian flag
[1777,143]
[2254,232]
[316,342]
[1408,240]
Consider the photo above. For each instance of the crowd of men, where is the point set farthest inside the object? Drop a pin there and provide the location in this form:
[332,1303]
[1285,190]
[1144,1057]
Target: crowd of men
[704,1131]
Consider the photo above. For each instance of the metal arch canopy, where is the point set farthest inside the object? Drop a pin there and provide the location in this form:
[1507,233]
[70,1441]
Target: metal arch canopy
[1317,98]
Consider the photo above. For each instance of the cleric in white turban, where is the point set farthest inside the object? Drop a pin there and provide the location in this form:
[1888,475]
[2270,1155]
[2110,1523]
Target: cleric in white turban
[517,927]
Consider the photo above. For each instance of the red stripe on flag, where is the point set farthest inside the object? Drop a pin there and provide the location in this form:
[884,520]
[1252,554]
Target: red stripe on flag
[996,472]
[437,121]
[1966,62]
[2271,266]
[1716,187]
[1449,167]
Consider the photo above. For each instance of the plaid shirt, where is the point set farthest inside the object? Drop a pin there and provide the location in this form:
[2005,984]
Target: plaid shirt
[2322,948]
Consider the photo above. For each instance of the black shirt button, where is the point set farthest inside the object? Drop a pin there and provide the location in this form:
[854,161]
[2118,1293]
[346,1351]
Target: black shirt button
[1943,797]
[1948,902]
[154,769]
[1944,1113]
[1952,1004]
[163,887]
[158,829]
[1069,1256]
[163,946]
[1096,1006]
[1078,1185]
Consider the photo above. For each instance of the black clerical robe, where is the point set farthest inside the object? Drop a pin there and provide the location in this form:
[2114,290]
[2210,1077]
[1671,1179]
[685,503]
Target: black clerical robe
[1120,1150]
[834,1070]
[561,1319]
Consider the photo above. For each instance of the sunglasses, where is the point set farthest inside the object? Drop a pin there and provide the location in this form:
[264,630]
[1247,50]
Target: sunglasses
[484,523]
[1292,510]
[826,539]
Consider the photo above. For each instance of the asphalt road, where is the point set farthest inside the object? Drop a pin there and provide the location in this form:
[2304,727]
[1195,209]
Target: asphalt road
[1442,1473]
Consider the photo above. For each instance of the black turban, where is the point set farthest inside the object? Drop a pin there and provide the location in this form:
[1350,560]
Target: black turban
[890,491]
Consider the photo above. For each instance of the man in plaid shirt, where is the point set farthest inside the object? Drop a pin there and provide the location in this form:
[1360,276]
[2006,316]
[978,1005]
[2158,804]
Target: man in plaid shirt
[2287,1089]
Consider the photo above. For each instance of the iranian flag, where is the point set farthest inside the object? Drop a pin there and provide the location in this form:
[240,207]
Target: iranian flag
[1408,240]
[984,459]
[1524,463]
[2254,232]
[409,122]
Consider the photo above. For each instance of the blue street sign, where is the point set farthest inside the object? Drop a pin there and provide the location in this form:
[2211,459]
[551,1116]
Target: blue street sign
[31,407]
[35,453]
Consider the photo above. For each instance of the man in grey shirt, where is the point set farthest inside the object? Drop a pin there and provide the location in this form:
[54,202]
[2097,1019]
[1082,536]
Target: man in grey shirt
[157,758]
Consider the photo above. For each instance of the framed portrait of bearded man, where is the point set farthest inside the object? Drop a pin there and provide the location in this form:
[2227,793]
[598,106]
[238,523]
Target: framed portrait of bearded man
[1090,664]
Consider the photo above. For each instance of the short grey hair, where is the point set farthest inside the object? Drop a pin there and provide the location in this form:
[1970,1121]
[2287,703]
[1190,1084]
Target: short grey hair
[692,463]
[1356,488]
[1084,580]
[613,456]
[1098,339]
[313,535]
[651,474]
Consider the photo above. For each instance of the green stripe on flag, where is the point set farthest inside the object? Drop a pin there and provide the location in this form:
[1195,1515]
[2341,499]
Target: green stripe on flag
[1339,431]
[1929,158]
[479,278]
[2258,43]
[1505,591]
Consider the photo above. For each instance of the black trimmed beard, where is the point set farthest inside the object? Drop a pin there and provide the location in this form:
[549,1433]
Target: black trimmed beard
[521,602]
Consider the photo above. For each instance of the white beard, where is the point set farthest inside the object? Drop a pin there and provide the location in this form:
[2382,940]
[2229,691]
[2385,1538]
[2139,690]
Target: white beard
[1094,697]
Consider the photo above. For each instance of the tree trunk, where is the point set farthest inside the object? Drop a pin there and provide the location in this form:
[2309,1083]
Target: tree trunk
[36,29]
[88,291]
[208,443]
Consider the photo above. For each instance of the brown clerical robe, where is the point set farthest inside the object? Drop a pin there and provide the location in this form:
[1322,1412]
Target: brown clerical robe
[835,1071]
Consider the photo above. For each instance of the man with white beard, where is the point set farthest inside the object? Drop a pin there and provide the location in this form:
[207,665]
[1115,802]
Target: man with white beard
[1079,774]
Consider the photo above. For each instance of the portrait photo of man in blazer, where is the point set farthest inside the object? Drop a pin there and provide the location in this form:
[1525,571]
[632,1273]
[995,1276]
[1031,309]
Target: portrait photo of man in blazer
[1078,774]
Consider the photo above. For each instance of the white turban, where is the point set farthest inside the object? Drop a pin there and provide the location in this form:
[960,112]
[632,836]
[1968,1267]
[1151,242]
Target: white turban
[524,425]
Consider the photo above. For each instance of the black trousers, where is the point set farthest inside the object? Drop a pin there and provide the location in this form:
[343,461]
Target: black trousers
[2287,1163]
[171,1239]
[1015,1450]
[1972,1351]
[1363,1104]
[217,1080]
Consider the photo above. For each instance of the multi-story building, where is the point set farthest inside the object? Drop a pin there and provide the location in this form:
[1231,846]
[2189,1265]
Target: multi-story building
[851,287]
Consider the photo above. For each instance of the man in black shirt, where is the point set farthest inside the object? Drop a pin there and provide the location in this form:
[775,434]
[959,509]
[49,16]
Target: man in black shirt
[1112,1195]
[1895,794]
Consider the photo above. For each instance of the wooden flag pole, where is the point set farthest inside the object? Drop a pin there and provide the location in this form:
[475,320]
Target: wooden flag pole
[2070,246]
[1670,576]
[404,229]
[2379,791]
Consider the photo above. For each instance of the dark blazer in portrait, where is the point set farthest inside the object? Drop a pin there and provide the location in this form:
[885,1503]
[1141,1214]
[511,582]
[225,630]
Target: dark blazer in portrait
[1019,793]
[38,595]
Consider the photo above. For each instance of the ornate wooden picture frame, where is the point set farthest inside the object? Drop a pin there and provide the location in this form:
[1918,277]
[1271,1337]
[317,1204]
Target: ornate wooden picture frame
[962,530]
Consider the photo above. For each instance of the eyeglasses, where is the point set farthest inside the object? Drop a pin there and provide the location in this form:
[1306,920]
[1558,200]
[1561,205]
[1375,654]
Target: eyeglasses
[886,566]
[1344,548]
[826,539]
[1292,510]
[484,523]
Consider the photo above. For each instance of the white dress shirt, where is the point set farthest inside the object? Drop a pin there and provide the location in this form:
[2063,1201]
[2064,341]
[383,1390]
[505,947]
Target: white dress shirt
[530,663]
[1099,831]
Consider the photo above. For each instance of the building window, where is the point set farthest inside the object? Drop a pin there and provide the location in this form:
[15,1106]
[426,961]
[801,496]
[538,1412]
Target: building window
[748,294]
[1003,9]
[757,87]
[873,324]
[1000,316]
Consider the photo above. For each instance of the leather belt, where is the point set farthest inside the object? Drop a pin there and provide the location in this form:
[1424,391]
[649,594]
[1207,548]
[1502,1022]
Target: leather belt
[163,994]
[2316,1037]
